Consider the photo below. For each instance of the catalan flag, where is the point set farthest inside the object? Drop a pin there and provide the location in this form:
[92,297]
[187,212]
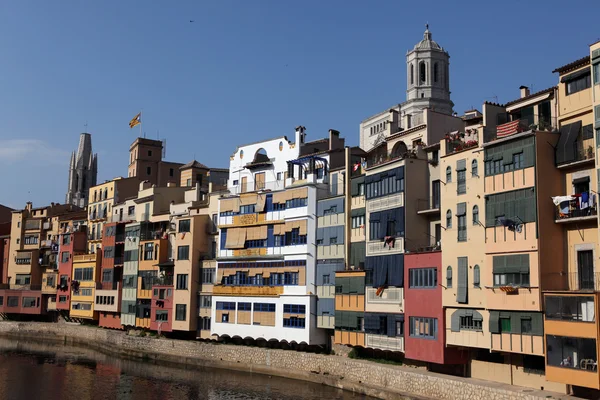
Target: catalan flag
[136,120]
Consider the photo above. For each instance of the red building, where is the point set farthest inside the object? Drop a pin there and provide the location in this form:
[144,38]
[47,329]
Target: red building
[423,311]
[161,309]
[71,243]
[108,296]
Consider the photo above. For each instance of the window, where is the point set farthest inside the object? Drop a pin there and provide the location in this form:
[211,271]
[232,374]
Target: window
[294,322]
[462,228]
[449,277]
[31,240]
[505,325]
[50,281]
[109,252]
[66,239]
[84,274]
[184,225]
[461,177]
[148,251]
[180,311]
[279,176]
[236,182]
[424,328]
[518,161]
[107,275]
[435,72]
[578,84]
[171,172]
[422,72]
[326,279]
[225,305]
[64,256]
[596,72]
[148,170]
[12,301]
[422,278]
[526,326]
[294,203]
[188,182]
[570,308]
[511,279]
[149,153]
[361,189]
[448,174]
[162,315]
[476,276]
[30,302]
[62,299]
[569,352]
[385,183]
[469,324]
[264,307]
[183,253]
[84,292]
[248,209]
[358,221]
[294,309]
[182,283]
[448,219]
[412,74]
[208,276]
[475,215]
[244,306]
[205,301]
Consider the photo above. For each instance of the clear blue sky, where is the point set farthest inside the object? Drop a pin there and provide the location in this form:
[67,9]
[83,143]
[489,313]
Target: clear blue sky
[245,71]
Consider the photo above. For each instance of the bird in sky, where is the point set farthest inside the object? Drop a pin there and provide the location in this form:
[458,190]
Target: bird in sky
[191,20]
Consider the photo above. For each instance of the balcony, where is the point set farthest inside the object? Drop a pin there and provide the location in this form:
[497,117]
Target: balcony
[380,248]
[222,290]
[256,186]
[33,225]
[430,206]
[570,209]
[390,300]
[584,152]
[394,200]
[384,342]
[584,280]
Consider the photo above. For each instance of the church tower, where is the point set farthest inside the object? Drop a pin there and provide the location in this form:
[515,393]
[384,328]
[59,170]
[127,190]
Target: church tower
[83,171]
[427,78]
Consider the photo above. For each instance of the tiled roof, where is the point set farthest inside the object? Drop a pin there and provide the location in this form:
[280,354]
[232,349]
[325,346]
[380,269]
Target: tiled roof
[575,64]
[550,89]
[193,164]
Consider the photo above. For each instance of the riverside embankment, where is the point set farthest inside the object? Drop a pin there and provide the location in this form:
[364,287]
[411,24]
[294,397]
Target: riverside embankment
[369,378]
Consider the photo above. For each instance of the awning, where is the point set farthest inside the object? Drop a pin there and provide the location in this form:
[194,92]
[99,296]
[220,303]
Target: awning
[575,75]
[358,212]
[565,149]
[165,264]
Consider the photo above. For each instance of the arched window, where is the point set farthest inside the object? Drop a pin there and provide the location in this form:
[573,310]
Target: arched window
[449,277]
[474,171]
[412,74]
[435,72]
[448,219]
[448,174]
[476,276]
[105,193]
[422,72]
[475,215]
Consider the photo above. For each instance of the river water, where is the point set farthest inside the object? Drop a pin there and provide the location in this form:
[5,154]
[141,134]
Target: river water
[31,371]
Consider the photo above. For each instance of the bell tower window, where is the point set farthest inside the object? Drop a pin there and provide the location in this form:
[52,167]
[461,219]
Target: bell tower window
[412,74]
[422,72]
[435,72]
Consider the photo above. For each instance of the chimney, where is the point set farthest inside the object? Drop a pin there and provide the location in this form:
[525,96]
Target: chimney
[333,138]
[524,91]
[28,206]
[170,184]
[300,134]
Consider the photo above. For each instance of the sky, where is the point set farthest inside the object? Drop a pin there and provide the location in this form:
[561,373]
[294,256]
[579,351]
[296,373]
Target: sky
[244,71]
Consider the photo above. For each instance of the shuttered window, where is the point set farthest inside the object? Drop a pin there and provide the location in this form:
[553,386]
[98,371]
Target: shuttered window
[449,277]
[461,294]
[516,205]
[499,159]
[476,276]
[461,176]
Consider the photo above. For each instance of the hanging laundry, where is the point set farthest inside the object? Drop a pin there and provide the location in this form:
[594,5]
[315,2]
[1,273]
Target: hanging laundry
[564,208]
[560,199]
[389,241]
[584,201]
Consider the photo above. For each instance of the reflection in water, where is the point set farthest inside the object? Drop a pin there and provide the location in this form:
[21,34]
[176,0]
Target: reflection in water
[53,371]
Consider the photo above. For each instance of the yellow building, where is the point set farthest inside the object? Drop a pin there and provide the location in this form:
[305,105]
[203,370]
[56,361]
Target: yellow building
[102,198]
[86,274]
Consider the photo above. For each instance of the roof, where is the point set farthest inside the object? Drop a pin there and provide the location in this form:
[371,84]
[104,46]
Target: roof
[428,43]
[550,89]
[193,164]
[575,64]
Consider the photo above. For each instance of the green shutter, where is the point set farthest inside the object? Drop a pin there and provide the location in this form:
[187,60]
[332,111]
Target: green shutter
[455,321]
[494,322]
[515,322]
[461,294]
[499,264]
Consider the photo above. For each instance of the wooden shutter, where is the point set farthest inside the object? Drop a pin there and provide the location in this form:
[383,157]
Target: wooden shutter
[494,322]
[455,321]
[461,294]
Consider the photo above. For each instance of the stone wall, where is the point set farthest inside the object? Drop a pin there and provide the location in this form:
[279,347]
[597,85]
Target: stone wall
[377,380]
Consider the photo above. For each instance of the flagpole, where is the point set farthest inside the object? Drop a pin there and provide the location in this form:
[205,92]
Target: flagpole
[141,122]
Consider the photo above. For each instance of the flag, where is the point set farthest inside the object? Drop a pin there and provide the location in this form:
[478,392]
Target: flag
[509,128]
[136,120]
[355,167]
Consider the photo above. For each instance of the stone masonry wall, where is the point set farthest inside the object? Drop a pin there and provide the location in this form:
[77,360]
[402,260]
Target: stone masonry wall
[377,380]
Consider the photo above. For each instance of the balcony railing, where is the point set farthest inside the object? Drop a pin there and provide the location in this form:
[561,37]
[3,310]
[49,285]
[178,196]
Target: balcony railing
[583,280]
[254,186]
[582,152]
[118,260]
[430,204]
[572,209]
[33,224]
[16,286]
[164,281]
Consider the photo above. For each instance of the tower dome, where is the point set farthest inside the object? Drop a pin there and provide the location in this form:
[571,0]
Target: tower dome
[428,43]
